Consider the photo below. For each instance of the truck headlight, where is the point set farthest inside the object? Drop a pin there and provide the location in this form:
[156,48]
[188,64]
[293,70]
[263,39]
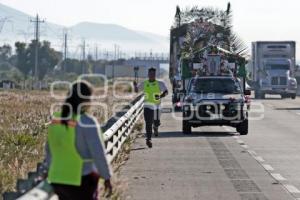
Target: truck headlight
[223,107]
[234,106]
[186,108]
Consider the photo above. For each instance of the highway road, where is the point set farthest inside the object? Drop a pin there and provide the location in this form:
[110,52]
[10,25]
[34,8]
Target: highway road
[216,163]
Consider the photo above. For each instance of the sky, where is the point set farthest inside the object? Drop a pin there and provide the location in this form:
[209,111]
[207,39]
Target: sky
[253,19]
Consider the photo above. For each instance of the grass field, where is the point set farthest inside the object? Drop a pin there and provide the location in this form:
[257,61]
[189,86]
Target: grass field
[23,118]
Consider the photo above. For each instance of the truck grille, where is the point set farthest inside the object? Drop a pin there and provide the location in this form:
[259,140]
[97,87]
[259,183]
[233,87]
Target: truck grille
[282,81]
[279,81]
[216,109]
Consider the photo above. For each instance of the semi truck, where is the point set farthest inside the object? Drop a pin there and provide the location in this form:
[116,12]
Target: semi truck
[273,68]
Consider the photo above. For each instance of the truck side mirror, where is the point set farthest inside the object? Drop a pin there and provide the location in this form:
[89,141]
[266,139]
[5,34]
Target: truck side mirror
[247,92]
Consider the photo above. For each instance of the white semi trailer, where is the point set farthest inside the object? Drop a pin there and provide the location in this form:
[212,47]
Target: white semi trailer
[273,68]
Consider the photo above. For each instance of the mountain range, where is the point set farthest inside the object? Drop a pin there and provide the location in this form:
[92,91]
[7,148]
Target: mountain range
[17,27]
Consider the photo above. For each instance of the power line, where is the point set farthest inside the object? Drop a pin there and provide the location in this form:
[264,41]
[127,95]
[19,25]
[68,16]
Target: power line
[5,20]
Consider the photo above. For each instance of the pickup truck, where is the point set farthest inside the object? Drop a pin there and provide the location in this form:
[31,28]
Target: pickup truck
[215,101]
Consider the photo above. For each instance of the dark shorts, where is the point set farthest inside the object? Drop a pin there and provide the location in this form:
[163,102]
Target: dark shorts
[88,190]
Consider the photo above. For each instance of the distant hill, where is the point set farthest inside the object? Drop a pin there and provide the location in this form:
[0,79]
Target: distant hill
[19,22]
[110,32]
[19,28]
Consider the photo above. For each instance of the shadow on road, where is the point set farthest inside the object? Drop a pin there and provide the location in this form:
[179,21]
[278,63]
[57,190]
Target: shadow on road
[287,109]
[269,99]
[195,134]
[138,149]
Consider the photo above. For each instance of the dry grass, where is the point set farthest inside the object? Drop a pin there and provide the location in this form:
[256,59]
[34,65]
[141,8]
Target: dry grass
[23,115]
[22,134]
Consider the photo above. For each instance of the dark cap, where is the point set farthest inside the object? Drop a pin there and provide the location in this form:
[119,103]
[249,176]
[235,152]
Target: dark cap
[152,69]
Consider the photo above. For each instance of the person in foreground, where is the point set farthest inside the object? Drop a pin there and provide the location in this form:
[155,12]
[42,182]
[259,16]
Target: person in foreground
[154,91]
[75,153]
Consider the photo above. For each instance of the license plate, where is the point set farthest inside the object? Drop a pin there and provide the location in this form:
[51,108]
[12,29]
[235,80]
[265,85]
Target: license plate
[215,116]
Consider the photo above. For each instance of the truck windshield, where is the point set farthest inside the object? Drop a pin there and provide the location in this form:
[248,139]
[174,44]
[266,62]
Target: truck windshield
[213,85]
[277,67]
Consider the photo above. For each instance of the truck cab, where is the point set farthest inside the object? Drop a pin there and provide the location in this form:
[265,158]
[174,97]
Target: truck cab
[274,68]
[278,78]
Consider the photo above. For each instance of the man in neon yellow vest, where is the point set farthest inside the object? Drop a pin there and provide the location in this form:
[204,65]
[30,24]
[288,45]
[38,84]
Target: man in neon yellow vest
[154,91]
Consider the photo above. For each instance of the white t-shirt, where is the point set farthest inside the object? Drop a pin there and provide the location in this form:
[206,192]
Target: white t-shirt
[162,87]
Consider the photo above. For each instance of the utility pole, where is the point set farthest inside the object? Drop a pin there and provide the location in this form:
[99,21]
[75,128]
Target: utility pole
[65,51]
[107,55]
[113,68]
[96,53]
[83,57]
[2,22]
[37,22]
[119,53]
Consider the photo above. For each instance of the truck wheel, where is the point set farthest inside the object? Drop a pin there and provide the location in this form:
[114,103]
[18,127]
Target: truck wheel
[177,108]
[293,96]
[258,95]
[283,96]
[186,127]
[174,100]
[242,128]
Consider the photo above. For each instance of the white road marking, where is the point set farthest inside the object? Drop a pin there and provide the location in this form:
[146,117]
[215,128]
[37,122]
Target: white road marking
[253,153]
[278,177]
[240,141]
[269,105]
[259,159]
[292,189]
[236,137]
[245,146]
[298,113]
[268,167]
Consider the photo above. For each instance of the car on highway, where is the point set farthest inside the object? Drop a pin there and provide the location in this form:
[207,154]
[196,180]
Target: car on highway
[215,101]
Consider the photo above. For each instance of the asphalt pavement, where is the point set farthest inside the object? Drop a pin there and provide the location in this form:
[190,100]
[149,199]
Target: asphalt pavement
[215,163]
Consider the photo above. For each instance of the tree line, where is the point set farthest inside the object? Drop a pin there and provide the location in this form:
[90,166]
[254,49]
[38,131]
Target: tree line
[17,64]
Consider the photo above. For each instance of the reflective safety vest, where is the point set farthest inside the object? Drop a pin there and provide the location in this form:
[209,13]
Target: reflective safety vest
[66,163]
[151,89]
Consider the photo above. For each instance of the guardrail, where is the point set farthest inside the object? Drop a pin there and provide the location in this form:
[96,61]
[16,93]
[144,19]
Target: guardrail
[116,131]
